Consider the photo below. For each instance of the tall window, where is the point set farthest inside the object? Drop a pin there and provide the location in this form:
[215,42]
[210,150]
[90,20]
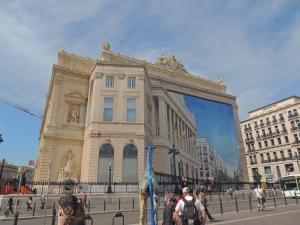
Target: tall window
[130,164]
[108,109]
[131,82]
[279,141]
[106,159]
[286,139]
[109,81]
[131,110]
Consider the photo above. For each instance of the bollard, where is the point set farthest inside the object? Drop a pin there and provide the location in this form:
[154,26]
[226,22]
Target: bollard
[274,199]
[33,210]
[126,187]
[53,216]
[104,205]
[132,203]
[119,204]
[250,202]
[117,215]
[16,218]
[221,206]
[285,202]
[296,198]
[89,206]
[236,204]
[210,197]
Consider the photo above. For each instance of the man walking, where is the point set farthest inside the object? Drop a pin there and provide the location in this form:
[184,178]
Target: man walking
[203,200]
[259,195]
[189,209]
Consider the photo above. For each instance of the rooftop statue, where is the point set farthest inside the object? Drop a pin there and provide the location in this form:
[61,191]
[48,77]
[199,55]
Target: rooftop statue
[171,63]
[106,46]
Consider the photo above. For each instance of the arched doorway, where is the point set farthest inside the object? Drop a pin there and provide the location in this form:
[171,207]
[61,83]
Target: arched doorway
[130,164]
[106,158]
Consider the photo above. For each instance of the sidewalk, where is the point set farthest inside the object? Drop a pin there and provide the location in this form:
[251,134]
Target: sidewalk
[271,215]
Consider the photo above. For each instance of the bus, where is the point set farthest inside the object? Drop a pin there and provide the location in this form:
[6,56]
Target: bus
[290,185]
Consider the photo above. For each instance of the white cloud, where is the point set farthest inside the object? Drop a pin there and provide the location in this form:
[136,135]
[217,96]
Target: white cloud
[253,45]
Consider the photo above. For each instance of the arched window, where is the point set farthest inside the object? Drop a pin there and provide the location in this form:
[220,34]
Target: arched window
[106,159]
[130,164]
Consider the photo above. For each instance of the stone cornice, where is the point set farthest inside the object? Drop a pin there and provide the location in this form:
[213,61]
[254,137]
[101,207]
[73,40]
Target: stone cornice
[70,72]
[108,56]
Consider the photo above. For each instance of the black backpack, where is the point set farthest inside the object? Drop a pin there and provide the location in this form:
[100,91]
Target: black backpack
[189,210]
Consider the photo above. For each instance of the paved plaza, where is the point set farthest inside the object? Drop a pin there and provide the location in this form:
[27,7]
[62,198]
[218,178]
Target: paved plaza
[281,214]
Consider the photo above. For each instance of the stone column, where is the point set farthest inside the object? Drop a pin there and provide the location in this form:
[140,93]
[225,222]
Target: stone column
[162,117]
[55,101]
[171,125]
[153,118]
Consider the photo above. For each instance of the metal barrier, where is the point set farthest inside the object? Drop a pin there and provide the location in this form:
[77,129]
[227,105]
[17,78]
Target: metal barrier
[118,215]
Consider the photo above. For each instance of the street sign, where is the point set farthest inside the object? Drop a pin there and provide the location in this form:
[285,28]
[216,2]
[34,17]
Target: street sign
[270,178]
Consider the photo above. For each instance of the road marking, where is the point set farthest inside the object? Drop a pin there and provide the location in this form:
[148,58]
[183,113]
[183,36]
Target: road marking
[256,217]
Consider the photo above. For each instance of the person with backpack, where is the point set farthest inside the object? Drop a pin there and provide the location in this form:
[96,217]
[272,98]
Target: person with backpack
[169,209]
[189,209]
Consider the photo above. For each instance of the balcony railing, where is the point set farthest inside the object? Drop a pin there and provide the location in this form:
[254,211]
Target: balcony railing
[268,123]
[294,128]
[253,162]
[284,130]
[274,121]
[249,139]
[255,126]
[281,119]
[261,125]
[293,115]
[296,142]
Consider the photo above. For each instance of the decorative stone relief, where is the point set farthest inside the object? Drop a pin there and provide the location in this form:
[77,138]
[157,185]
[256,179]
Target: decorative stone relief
[74,115]
[171,63]
[67,167]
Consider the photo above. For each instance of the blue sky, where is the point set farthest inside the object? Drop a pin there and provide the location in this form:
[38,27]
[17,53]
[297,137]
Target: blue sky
[253,45]
[215,122]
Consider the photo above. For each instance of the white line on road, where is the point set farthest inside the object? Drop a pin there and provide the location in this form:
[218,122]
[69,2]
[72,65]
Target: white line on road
[256,217]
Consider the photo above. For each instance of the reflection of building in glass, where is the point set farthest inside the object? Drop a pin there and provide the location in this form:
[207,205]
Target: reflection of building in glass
[272,140]
[102,113]
[211,163]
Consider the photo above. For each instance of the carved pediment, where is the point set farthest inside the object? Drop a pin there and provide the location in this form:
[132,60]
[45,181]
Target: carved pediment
[75,97]
[171,63]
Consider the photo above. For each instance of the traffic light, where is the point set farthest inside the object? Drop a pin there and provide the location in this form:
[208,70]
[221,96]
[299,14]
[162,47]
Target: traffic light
[1,139]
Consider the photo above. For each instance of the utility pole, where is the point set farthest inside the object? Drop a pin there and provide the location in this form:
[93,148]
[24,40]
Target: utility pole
[174,151]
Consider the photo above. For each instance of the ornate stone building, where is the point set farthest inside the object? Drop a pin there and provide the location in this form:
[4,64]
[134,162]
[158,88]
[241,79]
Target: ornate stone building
[102,113]
[272,140]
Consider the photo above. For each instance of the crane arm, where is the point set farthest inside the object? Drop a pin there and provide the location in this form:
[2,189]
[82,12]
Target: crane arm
[19,107]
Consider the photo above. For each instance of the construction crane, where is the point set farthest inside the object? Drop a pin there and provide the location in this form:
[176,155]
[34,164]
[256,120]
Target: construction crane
[19,107]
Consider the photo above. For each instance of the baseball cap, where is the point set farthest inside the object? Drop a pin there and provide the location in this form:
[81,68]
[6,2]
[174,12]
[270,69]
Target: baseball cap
[185,189]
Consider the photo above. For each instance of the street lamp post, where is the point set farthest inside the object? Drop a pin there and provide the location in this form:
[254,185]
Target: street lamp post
[20,171]
[109,190]
[174,151]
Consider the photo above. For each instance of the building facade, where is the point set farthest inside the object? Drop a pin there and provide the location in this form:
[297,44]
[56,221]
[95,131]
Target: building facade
[9,171]
[272,140]
[100,114]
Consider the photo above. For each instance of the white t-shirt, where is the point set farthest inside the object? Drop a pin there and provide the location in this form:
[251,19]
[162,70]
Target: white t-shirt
[258,192]
[180,205]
